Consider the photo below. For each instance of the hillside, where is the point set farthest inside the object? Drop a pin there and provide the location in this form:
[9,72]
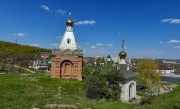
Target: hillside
[13,49]
[38,90]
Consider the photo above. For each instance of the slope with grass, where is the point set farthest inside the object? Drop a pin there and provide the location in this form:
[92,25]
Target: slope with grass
[38,90]
[169,100]
[13,49]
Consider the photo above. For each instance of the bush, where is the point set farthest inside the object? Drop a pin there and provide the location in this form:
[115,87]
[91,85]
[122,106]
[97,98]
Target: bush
[132,99]
[96,87]
[104,85]
[146,100]
[177,106]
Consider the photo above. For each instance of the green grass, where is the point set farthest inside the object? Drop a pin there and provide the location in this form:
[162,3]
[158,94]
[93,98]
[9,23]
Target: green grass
[25,91]
[166,101]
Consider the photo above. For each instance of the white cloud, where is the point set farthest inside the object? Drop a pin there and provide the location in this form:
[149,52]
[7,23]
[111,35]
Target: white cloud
[60,11]
[174,41]
[177,47]
[19,34]
[93,47]
[58,37]
[79,46]
[161,42]
[35,45]
[99,44]
[87,43]
[54,44]
[86,22]
[166,20]
[171,20]
[44,7]
[171,41]
[109,44]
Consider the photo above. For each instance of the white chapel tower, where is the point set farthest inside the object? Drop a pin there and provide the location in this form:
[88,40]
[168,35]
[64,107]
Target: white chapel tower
[68,41]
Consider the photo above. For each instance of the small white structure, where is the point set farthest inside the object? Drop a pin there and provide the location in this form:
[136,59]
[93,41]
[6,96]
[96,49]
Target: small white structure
[128,90]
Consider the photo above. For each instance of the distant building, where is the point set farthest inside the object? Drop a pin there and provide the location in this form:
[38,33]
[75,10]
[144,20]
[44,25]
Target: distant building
[115,59]
[68,58]
[128,90]
[44,55]
[165,70]
[41,63]
[169,62]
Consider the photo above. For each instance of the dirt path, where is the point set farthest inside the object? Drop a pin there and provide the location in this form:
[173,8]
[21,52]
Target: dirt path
[25,69]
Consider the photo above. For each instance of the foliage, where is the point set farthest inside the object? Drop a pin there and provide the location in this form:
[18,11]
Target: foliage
[104,85]
[13,49]
[146,100]
[148,75]
[99,60]
[114,77]
[15,54]
[108,67]
[96,87]
[86,71]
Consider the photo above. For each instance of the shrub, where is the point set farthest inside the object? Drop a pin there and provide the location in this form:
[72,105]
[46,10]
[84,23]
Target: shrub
[96,87]
[146,100]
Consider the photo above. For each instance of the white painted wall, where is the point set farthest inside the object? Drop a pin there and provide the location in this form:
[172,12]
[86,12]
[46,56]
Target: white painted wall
[125,90]
[68,35]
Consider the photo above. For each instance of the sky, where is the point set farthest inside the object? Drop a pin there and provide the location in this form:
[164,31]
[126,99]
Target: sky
[151,28]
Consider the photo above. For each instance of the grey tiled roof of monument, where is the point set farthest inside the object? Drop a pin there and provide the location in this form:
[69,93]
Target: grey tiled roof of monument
[127,74]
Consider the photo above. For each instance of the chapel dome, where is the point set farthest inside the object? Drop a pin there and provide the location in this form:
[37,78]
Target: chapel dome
[69,22]
[122,55]
[108,56]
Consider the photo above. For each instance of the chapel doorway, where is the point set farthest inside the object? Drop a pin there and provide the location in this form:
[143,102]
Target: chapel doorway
[131,90]
[66,69]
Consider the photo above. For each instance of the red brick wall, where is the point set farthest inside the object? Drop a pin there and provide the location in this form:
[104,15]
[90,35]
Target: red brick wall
[57,67]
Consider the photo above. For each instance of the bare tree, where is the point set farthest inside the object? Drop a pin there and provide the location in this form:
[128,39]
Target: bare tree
[3,59]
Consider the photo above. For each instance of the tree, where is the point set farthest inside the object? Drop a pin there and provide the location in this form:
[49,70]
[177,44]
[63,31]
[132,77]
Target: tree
[148,75]
[21,60]
[114,77]
[108,67]
[96,87]
[104,83]
[3,60]
[86,71]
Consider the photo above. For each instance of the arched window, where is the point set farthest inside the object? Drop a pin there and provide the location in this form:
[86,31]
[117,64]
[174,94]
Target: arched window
[131,90]
[67,68]
[68,41]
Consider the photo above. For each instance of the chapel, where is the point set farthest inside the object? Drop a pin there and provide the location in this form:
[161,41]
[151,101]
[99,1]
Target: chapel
[68,58]
[128,86]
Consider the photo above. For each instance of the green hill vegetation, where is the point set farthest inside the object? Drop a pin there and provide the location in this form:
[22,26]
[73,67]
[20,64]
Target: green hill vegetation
[13,56]
[13,49]
[26,91]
